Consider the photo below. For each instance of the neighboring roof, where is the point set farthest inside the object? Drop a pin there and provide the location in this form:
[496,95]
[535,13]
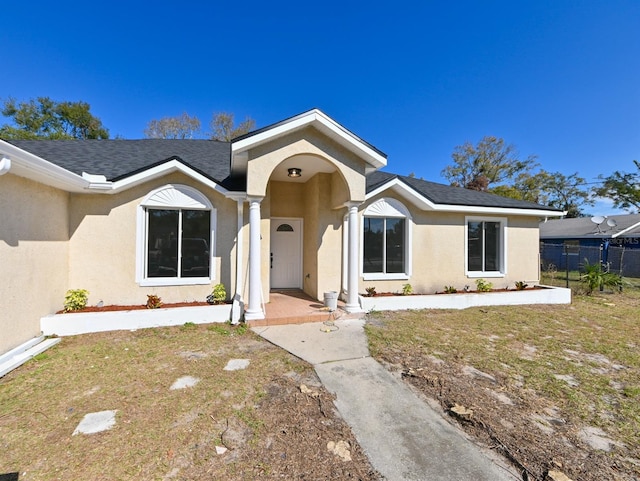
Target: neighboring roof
[117,159]
[442,194]
[584,228]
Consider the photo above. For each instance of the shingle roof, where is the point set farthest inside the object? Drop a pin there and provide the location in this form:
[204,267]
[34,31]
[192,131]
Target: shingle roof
[294,117]
[584,227]
[117,159]
[446,194]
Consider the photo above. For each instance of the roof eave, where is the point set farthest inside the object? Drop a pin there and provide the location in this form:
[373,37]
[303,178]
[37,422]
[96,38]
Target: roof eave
[316,119]
[420,201]
[25,164]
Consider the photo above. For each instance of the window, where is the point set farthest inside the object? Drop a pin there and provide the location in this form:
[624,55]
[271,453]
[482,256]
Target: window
[386,240]
[178,243]
[383,245]
[485,247]
[175,237]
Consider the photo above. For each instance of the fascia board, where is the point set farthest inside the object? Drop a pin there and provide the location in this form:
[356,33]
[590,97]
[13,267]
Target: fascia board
[406,192]
[425,204]
[624,231]
[161,170]
[30,166]
[323,123]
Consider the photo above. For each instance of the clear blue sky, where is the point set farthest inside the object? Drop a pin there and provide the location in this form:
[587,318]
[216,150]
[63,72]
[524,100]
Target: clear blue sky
[557,78]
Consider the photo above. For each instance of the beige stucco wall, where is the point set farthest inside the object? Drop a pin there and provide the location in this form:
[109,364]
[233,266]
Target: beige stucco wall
[438,252]
[102,253]
[322,230]
[33,256]
[265,158]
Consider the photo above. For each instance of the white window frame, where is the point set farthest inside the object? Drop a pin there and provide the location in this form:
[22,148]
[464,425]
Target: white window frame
[503,247]
[172,197]
[388,208]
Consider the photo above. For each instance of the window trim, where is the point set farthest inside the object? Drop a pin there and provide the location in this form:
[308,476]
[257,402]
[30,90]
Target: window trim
[503,247]
[172,197]
[388,208]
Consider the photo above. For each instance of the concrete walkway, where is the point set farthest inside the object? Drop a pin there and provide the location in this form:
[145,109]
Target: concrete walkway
[402,436]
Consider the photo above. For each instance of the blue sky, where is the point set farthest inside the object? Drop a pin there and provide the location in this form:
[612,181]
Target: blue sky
[558,78]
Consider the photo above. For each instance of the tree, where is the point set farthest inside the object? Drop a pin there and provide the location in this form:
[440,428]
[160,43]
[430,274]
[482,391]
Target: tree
[564,192]
[491,161]
[623,188]
[44,118]
[181,127]
[222,126]
[552,189]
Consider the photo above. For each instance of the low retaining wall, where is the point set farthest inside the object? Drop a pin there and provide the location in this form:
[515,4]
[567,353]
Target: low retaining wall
[83,323]
[545,295]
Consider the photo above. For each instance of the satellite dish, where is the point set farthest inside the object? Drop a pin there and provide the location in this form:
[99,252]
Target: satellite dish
[611,223]
[598,219]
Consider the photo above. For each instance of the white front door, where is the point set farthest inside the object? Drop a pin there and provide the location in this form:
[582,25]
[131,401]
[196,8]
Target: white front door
[286,253]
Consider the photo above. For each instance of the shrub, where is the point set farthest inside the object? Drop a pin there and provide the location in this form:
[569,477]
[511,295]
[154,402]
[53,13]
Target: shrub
[595,277]
[153,301]
[75,299]
[371,291]
[450,290]
[218,295]
[483,286]
[521,286]
[407,290]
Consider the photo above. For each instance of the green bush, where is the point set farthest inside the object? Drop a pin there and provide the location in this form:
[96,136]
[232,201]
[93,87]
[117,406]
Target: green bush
[218,295]
[407,290]
[595,277]
[75,299]
[371,291]
[521,286]
[483,286]
[450,290]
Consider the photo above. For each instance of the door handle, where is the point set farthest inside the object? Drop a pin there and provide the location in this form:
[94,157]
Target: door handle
[271,261]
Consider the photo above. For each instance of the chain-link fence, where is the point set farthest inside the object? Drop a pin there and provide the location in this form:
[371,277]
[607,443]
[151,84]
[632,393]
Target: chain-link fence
[570,257]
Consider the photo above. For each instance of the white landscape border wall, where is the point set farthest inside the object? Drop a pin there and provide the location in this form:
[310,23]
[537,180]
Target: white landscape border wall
[85,322]
[542,295]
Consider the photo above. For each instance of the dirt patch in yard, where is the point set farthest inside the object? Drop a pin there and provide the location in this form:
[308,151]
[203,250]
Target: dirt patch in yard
[552,388]
[269,418]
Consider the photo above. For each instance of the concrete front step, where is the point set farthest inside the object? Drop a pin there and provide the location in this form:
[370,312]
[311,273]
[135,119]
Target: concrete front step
[21,354]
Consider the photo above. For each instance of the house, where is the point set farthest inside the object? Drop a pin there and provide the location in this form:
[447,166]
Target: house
[302,204]
[612,240]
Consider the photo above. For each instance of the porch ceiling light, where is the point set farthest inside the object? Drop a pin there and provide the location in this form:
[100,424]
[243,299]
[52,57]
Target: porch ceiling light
[294,172]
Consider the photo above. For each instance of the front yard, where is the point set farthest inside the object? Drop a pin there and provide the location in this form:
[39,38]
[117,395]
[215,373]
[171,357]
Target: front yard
[271,419]
[551,387]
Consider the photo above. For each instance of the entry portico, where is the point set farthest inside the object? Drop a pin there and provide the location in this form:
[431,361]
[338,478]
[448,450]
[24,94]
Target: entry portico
[328,184]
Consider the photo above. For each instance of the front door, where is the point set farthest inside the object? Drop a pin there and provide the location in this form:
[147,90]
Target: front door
[286,253]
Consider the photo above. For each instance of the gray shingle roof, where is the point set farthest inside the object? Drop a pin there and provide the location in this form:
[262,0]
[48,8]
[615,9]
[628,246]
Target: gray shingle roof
[583,227]
[117,159]
[446,194]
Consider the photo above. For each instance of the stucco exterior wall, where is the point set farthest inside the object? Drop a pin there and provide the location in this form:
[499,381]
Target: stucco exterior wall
[34,234]
[265,158]
[102,255]
[439,250]
[322,241]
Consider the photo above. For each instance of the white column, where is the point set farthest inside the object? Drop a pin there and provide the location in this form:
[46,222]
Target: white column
[237,306]
[352,304]
[254,311]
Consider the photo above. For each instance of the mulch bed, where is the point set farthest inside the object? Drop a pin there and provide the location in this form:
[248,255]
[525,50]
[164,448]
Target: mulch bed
[134,307]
